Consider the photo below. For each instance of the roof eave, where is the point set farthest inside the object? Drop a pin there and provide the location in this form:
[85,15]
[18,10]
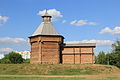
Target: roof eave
[47,36]
[80,45]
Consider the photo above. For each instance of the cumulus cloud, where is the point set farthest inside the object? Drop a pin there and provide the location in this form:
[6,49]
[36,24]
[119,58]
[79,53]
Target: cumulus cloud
[8,40]
[4,51]
[115,30]
[1,56]
[53,12]
[8,44]
[3,19]
[82,23]
[64,21]
[98,42]
[15,43]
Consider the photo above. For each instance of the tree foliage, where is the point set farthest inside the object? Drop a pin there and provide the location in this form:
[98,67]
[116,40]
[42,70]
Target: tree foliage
[13,58]
[112,58]
[101,58]
[116,46]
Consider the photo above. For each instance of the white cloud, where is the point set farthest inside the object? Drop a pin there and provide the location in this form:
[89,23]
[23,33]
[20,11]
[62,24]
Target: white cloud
[106,30]
[1,56]
[8,44]
[115,30]
[82,23]
[14,43]
[8,40]
[3,19]
[64,21]
[98,42]
[53,12]
[5,50]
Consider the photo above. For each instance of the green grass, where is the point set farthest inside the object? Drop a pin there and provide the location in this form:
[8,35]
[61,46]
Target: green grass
[113,78]
[110,77]
[56,69]
[40,78]
[63,78]
[73,71]
[98,72]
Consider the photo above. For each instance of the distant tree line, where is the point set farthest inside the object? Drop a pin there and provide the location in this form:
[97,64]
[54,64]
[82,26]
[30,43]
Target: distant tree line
[13,58]
[112,58]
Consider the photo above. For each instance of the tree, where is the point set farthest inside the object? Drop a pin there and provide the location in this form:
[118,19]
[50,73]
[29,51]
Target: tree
[13,58]
[4,61]
[115,55]
[101,58]
[116,46]
[112,58]
[108,58]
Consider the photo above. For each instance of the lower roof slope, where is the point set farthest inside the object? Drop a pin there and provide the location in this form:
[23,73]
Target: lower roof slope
[80,44]
[45,28]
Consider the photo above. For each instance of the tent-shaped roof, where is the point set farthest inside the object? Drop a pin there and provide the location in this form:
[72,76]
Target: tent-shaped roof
[46,27]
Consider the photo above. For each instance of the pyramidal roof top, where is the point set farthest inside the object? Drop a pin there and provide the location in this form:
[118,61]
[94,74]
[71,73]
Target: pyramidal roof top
[46,27]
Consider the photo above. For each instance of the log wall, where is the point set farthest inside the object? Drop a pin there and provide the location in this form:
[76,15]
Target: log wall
[45,49]
[79,55]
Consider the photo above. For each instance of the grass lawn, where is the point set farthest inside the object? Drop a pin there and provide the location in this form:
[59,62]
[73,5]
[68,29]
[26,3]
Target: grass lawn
[56,69]
[40,78]
[63,78]
[58,72]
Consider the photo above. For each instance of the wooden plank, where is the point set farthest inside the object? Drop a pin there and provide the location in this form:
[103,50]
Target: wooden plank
[86,50]
[68,59]
[86,59]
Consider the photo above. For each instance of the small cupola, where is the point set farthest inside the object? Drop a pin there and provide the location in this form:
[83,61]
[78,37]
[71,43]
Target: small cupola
[46,27]
[46,17]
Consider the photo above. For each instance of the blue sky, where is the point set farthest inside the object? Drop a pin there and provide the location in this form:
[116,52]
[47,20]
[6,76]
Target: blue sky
[78,20]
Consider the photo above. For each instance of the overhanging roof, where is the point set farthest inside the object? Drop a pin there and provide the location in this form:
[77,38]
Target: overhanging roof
[80,45]
[45,28]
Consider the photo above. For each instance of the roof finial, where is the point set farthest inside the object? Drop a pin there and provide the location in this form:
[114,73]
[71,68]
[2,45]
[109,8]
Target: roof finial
[46,13]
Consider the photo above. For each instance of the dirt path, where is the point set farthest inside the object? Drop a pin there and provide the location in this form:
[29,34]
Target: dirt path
[101,75]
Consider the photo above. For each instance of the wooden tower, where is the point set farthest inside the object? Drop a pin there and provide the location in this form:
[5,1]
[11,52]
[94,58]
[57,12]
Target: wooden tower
[46,43]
